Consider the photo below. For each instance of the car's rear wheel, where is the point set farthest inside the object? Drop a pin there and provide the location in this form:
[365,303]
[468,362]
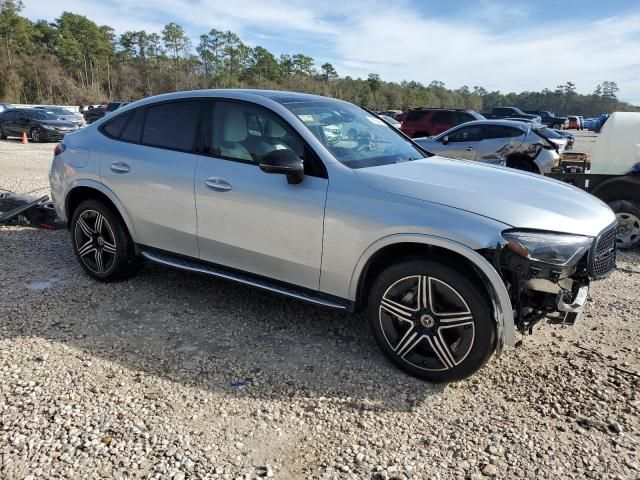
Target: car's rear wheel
[102,243]
[628,215]
[36,136]
[431,321]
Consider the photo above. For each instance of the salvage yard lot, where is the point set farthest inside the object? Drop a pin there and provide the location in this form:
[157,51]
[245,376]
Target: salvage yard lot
[172,375]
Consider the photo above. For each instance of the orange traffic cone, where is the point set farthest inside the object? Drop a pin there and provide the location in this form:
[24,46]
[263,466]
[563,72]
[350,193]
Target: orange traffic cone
[24,138]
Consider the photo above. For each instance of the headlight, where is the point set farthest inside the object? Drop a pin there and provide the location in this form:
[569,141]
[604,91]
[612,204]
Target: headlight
[553,248]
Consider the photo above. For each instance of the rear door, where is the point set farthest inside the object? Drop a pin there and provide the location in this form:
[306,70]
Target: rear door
[149,162]
[499,141]
[462,142]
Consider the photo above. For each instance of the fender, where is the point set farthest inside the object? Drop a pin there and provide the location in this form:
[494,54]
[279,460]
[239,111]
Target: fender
[503,311]
[108,193]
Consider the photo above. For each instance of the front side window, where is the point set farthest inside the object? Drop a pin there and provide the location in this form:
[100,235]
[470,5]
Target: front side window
[472,133]
[354,136]
[248,133]
[171,125]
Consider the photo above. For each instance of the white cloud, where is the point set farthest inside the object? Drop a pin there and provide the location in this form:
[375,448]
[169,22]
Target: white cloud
[496,45]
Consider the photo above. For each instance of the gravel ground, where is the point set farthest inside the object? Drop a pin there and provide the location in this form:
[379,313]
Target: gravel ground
[175,376]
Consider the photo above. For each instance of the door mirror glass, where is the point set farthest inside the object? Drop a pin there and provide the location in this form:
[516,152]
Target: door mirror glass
[445,139]
[284,162]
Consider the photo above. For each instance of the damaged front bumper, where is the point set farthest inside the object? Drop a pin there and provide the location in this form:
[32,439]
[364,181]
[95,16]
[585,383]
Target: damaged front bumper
[541,291]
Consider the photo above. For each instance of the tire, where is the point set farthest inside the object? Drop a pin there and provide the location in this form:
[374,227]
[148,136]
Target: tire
[628,214]
[521,162]
[443,340]
[102,243]
[36,135]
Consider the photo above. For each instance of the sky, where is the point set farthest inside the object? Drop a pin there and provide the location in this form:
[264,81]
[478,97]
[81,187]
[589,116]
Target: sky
[511,46]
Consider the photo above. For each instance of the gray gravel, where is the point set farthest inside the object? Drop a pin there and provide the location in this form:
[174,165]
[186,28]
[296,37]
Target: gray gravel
[178,376]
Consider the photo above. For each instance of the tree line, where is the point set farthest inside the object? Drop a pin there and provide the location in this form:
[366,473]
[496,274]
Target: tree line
[75,61]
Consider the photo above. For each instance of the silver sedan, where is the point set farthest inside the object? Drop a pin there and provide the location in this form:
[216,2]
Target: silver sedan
[522,145]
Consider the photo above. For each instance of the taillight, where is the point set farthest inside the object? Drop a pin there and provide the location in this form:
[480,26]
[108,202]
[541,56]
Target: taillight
[61,147]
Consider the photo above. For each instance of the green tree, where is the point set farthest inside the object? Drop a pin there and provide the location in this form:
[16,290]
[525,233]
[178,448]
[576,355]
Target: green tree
[14,29]
[328,72]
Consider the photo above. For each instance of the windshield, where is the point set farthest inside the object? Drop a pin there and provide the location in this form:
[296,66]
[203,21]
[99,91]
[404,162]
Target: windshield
[60,111]
[42,115]
[354,136]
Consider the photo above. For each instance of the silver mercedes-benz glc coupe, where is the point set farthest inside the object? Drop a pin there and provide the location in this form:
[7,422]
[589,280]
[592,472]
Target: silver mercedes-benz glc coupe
[323,201]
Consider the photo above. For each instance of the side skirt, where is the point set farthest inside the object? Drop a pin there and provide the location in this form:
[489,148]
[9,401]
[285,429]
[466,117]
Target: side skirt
[197,266]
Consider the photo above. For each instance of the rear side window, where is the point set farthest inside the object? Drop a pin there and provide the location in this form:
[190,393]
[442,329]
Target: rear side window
[171,125]
[414,115]
[442,117]
[133,131]
[500,131]
[115,126]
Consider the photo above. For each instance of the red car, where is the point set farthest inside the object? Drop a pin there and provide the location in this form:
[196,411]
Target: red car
[574,123]
[427,122]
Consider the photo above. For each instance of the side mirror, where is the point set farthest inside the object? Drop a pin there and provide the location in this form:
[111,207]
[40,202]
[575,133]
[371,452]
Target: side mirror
[445,139]
[284,162]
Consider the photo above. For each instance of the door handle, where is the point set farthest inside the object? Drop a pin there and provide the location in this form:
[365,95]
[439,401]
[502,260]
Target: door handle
[120,167]
[218,184]
[470,149]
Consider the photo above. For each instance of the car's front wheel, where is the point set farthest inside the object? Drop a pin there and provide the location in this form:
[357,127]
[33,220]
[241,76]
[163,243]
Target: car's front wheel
[102,243]
[36,136]
[431,320]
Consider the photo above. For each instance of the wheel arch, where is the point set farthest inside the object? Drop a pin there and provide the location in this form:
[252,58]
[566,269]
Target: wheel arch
[625,187]
[393,248]
[93,190]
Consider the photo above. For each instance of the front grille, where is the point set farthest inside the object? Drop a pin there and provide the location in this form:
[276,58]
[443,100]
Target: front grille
[602,259]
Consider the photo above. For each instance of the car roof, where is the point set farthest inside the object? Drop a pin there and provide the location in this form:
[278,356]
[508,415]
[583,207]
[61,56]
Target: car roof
[505,123]
[279,96]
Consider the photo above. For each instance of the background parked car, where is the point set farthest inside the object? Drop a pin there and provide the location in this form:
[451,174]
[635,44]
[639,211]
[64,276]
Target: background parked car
[112,106]
[39,125]
[550,119]
[425,122]
[590,124]
[520,145]
[95,113]
[574,122]
[581,121]
[390,120]
[64,114]
[600,121]
[510,112]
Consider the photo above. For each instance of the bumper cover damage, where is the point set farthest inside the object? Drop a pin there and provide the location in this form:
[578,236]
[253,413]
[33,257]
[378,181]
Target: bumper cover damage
[541,291]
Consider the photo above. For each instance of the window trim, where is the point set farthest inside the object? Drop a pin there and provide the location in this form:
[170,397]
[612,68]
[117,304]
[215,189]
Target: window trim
[207,144]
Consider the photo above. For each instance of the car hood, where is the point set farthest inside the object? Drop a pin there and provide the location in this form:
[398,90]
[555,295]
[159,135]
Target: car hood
[57,123]
[518,199]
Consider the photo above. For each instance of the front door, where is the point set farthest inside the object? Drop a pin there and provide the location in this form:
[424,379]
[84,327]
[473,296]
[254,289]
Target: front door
[251,220]
[150,165]
[462,143]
